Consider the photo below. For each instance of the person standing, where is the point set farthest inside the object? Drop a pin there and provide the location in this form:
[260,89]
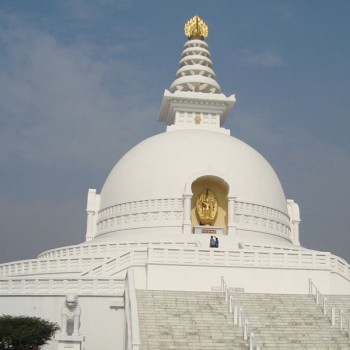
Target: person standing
[216,242]
[212,242]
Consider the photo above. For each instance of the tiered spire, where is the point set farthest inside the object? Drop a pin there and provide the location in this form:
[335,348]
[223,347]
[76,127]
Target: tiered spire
[195,73]
[195,99]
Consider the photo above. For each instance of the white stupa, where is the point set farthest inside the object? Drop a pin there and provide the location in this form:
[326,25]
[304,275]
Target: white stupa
[150,227]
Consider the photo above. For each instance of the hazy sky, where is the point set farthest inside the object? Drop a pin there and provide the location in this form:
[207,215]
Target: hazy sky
[81,82]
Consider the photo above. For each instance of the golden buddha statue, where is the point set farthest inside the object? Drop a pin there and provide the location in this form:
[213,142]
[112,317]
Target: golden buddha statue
[207,207]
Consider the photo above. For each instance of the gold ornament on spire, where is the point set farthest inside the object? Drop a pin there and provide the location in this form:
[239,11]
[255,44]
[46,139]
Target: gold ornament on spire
[196,28]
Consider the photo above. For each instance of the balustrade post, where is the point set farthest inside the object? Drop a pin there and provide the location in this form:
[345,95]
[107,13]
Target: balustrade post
[310,286]
[245,330]
[240,317]
[231,229]
[187,213]
[325,306]
[341,318]
[235,315]
[333,316]
[231,304]
[251,338]
[317,297]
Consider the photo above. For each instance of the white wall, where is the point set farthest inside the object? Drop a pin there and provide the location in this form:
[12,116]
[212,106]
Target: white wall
[253,280]
[101,324]
[339,285]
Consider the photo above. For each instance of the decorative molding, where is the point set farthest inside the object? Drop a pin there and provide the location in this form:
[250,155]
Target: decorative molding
[147,213]
[199,119]
[169,212]
[255,217]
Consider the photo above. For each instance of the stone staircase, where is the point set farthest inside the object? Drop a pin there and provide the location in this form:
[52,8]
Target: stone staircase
[174,320]
[289,322]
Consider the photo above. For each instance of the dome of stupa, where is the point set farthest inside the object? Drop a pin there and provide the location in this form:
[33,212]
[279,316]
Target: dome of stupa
[162,166]
[145,189]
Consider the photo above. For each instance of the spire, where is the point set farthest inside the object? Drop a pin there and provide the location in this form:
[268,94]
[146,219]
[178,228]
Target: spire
[195,99]
[195,72]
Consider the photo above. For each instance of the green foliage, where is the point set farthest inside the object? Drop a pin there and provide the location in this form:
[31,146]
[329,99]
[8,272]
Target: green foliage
[25,333]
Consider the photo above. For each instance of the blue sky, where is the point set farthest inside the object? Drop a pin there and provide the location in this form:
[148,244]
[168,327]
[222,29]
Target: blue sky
[81,83]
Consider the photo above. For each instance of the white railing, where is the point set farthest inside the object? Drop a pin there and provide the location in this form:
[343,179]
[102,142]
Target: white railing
[76,259]
[118,264]
[328,310]
[181,256]
[61,286]
[132,314]
[204,257]
[239,317]
[107,249]
[42,266]
[340,266]
[251,258]
[251,246]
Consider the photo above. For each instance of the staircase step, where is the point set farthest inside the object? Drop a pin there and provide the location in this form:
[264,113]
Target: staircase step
[186,320]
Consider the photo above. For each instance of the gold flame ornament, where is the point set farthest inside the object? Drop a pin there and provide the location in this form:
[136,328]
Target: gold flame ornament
[207,207]
[196,28]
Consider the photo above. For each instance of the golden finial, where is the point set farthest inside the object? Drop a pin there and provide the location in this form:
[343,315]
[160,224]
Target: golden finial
[195,28]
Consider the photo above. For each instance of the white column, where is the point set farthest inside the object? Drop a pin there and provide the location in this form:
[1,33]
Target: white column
[231,227]
[187,225]
[89,225]
[294,216]
[92,205]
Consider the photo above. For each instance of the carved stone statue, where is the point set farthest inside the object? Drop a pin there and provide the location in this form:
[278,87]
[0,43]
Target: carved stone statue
[70,315]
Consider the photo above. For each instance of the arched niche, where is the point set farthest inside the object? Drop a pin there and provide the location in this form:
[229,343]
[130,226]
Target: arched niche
[220,189]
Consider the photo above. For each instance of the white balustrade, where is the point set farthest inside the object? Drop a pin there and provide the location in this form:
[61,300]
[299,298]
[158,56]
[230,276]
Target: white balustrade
[44,266]
[61,286]
[118,264]
[340,266]
[253,255]
[107,249]
[239,317]
[283,259]
[175,253]
[328,310]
